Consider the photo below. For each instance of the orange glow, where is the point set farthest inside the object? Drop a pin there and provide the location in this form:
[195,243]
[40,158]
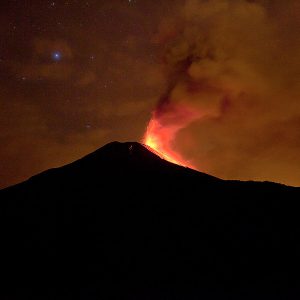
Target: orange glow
[159,138]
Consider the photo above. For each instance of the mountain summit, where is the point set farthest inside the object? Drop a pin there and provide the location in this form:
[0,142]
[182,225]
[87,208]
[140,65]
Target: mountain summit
[118,151]
[131,155]
[126,160]
[123,223]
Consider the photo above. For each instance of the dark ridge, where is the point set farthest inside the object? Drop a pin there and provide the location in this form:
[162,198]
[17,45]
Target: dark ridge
[122,223]
[128,158]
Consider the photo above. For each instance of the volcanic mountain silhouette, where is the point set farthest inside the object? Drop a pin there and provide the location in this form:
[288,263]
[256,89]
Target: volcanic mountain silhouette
[122,223]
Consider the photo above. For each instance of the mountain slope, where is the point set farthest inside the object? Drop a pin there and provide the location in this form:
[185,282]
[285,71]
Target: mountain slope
[121,223]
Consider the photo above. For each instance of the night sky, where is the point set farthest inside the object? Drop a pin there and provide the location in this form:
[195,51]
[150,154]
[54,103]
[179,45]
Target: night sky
[75,75]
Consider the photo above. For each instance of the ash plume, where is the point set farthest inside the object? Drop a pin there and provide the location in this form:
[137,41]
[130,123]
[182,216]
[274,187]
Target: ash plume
[232,63]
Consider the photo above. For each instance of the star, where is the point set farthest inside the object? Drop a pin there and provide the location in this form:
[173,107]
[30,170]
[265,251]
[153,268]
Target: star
[56,56]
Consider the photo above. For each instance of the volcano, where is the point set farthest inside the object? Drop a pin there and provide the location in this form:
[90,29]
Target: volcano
[123,223]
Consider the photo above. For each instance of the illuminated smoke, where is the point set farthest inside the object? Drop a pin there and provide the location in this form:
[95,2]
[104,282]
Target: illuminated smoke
[168,118]
[219,57]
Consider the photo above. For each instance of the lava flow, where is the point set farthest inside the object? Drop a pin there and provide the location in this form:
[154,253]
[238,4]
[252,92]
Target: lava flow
[159,138]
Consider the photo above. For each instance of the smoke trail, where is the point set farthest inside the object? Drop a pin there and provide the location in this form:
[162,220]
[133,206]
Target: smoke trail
[207,67]
[176,108]
[168,118]
[232,69]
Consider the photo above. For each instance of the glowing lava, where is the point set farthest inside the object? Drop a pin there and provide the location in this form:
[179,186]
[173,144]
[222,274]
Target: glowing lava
[160,138]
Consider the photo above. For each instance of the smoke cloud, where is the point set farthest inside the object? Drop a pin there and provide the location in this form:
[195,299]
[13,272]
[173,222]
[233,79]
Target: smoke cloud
[232,91]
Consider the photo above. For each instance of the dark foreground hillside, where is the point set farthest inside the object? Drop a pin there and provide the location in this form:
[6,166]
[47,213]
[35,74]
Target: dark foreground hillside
[121,223]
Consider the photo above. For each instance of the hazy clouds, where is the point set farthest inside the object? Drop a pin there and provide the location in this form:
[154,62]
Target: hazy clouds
[241,76]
